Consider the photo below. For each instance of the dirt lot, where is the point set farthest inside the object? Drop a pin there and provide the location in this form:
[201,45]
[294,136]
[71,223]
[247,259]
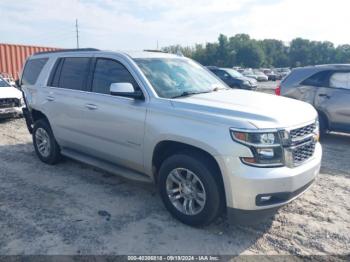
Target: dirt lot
[74,209]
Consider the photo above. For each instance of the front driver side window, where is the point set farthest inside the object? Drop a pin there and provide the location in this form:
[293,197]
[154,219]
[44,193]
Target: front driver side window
[340,80]
[109,71]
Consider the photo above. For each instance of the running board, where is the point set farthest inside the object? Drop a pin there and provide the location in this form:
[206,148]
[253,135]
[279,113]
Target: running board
[106,166]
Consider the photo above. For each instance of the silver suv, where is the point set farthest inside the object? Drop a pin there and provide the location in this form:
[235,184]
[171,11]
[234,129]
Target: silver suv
[327,88]
[165,119]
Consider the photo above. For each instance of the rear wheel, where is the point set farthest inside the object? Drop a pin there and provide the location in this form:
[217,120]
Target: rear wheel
[45,143]
[190,189]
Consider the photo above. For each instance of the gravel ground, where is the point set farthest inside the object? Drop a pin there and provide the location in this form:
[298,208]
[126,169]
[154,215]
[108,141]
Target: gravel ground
[71,208]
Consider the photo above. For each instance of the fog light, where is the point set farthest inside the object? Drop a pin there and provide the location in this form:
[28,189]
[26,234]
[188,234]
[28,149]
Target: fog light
[265,152]
[265,198]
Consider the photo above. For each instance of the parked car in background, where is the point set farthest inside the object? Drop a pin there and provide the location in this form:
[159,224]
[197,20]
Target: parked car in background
[261,77]
[282,72]
[9,79]
[161,118]
[233,78]
[271,75]
[327,88]
[249,73]
[237,68]
[11,101]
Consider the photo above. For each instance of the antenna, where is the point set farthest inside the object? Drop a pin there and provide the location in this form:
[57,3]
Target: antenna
[77,31]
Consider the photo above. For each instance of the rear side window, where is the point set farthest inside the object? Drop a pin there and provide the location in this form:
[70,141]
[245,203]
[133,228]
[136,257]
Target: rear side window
[55,73]
[340,80]
[109,71]
[32,70]
[320,79]
[73,73]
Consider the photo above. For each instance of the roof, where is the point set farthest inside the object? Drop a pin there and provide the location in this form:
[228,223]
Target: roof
[132,54]
[327,66]
[149,54]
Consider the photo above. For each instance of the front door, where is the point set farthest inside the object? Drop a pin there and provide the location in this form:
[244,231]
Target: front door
[334,101]
[114,124]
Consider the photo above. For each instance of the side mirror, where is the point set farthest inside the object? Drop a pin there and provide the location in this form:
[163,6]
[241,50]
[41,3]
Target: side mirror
[17,83]
[125,89]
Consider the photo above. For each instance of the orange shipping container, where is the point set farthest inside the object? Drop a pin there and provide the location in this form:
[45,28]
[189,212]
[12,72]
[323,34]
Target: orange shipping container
[12,57]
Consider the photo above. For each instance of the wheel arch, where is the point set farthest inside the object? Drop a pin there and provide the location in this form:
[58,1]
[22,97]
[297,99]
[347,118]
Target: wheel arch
[166,148]
[37,115]
[324,116]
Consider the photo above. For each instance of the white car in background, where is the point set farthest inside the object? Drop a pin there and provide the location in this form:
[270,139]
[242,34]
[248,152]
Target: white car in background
[249,73]
[261,77]
[11,100]
[8,78]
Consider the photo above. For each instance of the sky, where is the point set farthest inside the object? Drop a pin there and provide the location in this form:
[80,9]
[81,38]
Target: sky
[141,24]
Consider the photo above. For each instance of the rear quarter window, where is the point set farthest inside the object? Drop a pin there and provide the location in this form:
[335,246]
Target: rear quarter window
[32,70]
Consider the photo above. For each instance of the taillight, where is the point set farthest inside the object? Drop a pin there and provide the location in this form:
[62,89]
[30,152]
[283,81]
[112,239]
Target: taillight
[278,91]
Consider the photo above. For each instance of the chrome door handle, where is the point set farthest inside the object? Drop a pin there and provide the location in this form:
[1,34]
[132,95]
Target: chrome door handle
[91,106]
[324,95]
[50,98]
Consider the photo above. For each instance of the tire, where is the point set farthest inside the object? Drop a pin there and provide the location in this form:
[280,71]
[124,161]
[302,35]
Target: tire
[184,164]
[45,144]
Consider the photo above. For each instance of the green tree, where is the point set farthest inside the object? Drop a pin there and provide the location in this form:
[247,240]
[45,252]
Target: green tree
[241,50]
[250,55]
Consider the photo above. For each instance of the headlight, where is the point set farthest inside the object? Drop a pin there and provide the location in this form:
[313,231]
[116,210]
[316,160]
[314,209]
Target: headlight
[265,146]
[246,83]
[317,130]
[22,101]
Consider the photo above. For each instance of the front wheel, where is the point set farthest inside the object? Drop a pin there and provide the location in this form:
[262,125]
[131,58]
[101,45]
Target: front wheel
[190,189]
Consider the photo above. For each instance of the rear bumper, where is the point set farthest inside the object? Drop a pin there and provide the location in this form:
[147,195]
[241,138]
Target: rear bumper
[250,188]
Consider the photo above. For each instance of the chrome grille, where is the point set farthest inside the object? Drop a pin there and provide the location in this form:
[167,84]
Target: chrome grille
[302,143]
[303,152]
[302,131]
[9,102]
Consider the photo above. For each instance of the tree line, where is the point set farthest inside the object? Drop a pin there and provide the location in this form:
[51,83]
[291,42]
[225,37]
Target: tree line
[241,50]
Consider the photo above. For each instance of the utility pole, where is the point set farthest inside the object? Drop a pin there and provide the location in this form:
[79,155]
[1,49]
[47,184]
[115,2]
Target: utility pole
[77,31]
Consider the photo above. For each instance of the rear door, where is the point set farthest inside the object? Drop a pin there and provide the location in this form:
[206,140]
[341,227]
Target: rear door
[334,101]
[64,99]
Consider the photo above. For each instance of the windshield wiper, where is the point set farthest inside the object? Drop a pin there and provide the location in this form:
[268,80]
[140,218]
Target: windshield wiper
[187,93]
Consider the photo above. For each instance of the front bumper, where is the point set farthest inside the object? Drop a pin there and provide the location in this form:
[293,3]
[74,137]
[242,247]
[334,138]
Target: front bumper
[245,185]
[10,112]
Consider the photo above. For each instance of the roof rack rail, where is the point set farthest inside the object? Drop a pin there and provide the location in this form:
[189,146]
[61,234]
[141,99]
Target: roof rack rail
[155,50]
[68,50]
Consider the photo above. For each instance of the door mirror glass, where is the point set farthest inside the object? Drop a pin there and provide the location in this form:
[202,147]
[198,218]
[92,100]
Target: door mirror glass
[125,89]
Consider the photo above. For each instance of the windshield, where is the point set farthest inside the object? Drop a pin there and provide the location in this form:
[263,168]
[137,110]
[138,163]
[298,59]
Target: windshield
[3,83]
[233,73]
[173,77]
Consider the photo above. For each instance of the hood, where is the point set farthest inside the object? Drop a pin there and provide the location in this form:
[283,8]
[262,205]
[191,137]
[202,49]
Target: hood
[10,92]
[247,108]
